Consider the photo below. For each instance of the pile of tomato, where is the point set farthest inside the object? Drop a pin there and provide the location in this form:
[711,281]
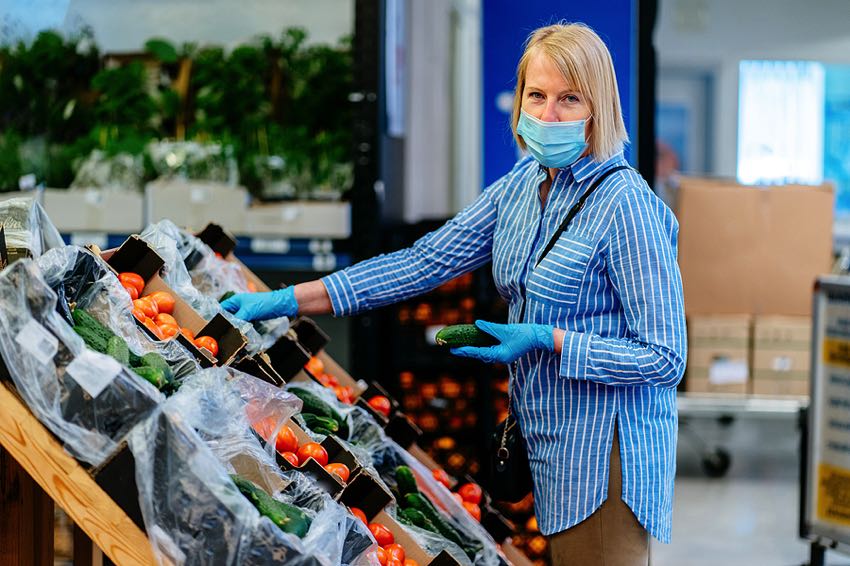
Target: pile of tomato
[389,552]
[155,310]
[344,393]
[469,494]
[297,454]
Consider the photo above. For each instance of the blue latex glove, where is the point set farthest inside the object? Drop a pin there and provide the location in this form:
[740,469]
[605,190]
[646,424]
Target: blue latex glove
[263,306]
[516,341]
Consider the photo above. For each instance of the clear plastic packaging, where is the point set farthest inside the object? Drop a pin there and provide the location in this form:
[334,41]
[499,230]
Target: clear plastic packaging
[86,399]
[26,225]
[211,277]
[80,278]
[223,406]
[388,457]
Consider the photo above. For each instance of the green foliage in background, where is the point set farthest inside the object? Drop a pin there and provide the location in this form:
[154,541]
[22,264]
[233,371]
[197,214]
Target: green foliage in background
[271,97]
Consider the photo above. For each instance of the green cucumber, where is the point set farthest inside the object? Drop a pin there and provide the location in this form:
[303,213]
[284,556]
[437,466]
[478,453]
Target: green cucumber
[117,348]
[406,481]
[415,517]
[94,334]
[459,335]
[288,518]
[418,502]
[315,405]
[316,422]
[155,360]
[154,375]
[226,296]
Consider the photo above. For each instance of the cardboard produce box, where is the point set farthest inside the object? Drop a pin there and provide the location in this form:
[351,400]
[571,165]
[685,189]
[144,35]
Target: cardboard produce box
[781,355]
[95,210]
[193,204]
[718,354]
[754,250]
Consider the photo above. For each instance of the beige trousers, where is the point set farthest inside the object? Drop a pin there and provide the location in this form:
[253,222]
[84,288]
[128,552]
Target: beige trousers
[611,536]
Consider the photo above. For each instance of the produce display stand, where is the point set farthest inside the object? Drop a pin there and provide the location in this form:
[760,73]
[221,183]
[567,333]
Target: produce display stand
[64,482]
[825,469]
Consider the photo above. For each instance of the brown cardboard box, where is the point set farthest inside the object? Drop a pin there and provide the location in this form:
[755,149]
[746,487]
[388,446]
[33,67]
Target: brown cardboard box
[781,355]
[753,250]
[718,354]
[301,219]
[95,210]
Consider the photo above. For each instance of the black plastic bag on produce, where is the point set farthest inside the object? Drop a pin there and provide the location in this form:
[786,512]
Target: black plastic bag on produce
[81,279]
[88,400]
[222,406]
[212,277]
[164,237]
[477,544]
[27,227]
[194,514]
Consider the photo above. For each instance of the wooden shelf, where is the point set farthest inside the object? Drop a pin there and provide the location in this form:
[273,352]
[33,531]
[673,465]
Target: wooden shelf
[69,485]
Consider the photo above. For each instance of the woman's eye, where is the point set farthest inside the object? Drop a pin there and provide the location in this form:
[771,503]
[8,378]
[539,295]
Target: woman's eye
[536,95]
[571,98]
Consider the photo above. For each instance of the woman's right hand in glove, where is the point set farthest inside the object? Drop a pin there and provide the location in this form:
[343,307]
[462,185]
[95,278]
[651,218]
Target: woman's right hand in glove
[263,306]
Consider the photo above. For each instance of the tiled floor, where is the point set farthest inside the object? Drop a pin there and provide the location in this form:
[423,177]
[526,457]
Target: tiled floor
[747,518]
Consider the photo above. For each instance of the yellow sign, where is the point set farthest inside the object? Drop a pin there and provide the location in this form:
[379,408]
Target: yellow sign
[836,352]
[833,494]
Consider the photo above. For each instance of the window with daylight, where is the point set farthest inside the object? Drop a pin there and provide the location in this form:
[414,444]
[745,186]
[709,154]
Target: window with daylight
[781,122]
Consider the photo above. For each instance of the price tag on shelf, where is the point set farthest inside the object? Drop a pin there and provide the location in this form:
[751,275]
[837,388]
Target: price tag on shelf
[725,371]
[270,245]
[38,341]
[93,371]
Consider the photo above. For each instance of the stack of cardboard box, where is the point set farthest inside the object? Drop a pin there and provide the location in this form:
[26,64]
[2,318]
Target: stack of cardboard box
[749,258]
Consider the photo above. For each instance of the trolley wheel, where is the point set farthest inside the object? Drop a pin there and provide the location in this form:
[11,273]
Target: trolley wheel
[716,463]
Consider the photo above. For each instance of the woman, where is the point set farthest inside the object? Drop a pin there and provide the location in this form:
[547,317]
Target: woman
[596,329]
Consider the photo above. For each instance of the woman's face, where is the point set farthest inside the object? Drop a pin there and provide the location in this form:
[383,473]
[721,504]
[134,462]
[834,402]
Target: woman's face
[547,96]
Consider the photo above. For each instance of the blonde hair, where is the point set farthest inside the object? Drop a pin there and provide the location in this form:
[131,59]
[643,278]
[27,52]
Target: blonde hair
[586,65]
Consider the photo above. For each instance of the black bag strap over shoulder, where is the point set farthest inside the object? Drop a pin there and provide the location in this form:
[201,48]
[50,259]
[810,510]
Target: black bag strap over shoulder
[577,208]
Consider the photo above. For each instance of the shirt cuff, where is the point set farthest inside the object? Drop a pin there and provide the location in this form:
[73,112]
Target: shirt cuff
[574,355]
[341,292]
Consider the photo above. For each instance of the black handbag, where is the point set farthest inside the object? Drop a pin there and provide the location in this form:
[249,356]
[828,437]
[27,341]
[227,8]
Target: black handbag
[507,475]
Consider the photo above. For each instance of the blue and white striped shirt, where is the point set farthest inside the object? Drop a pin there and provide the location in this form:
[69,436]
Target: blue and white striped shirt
[612,283]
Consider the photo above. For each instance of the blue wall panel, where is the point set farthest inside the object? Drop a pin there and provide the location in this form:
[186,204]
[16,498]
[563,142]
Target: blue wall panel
[506,24]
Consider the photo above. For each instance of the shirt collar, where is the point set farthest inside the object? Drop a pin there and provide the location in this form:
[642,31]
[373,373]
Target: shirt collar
[587,167]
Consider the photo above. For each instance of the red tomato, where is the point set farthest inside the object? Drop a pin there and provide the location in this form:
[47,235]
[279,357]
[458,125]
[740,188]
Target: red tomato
[313,450]
[151,325]
[133,292]
[164,301]
[471,493]
[286,440]
[382,556]
[396,551]
[410,562]
[394,562]
[133,280]
[207,342]
[291,457]
[359,514]
[382,534]
[146,306]
[381,404]
[315,366]
[339,469]
[441,476]
[165,318]
[473,509]
[188,333]
[169,330]
[345,394]
[139,314]
[324,379]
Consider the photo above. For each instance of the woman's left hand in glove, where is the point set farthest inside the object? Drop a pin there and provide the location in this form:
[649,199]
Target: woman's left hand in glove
[516,341]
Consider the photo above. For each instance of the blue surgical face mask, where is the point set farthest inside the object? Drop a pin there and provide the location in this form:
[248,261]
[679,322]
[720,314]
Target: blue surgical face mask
[553,144]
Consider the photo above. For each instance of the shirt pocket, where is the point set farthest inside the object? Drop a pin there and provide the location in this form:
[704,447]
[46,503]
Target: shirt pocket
[559,277]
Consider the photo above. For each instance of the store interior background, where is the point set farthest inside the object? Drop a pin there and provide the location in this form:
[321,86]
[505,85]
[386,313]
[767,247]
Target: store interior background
[750,515]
